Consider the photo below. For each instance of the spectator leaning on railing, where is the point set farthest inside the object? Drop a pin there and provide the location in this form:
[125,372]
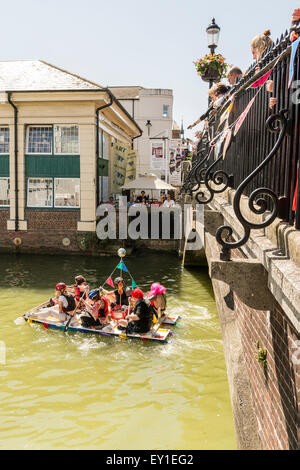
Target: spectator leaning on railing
[259,45]
[217,94]
[270,83]
[234,75]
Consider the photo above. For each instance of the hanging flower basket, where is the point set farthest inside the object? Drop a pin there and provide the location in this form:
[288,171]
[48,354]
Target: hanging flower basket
[211,74]
[211,67]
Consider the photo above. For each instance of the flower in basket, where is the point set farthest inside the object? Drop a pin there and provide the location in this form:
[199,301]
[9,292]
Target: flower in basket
[212,61]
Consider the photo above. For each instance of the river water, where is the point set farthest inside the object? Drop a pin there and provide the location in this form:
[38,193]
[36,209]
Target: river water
[68,390]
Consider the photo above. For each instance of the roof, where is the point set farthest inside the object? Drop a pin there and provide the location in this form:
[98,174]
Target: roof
[126,92]
[38,75]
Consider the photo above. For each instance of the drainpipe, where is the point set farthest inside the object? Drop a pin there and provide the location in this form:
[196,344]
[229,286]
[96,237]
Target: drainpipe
[111,99]
[136,137]
[16,160]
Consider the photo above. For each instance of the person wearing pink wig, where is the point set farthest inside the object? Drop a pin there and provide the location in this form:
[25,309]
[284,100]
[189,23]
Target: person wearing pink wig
[158,299]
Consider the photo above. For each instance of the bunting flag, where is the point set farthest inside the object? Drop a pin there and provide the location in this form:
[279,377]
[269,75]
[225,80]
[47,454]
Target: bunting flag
[227,142]
[225,115]
[218,144]
[109,281]
[261,80]
[133,284]
[45,325]
[243,116]
[294,48]
[122,266]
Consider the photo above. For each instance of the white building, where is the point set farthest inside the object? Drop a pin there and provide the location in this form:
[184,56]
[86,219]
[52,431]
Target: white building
[152,109]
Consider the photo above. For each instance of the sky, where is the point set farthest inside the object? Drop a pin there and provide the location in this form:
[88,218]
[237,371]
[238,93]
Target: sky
[151,43]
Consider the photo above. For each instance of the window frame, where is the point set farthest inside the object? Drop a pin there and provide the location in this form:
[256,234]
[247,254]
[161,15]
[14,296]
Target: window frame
[167,114]
[4,206]
[54,194]
[53,137]
[52,126]
[27,192]
[27,139]
[52,207]
[6,127]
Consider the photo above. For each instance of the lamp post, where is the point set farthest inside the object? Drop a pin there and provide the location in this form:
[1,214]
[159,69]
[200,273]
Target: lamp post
[148,125]
[213,32]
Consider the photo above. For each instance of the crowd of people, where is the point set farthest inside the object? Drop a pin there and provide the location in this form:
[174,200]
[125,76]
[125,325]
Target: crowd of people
[219,92]
[129,310]
[222,92]
[165,200]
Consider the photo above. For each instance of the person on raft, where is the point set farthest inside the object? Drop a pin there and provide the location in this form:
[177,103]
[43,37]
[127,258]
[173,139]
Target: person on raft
[81,287]
[96,312]
[120,295]
[140,321]
[158,300]
[66,302]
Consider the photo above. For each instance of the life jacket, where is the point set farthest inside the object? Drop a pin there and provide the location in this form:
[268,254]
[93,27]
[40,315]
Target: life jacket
[155,310]
[79,294]
[71,303]
[105,309]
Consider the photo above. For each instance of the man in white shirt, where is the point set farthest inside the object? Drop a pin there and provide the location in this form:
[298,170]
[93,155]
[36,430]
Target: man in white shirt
[169,202]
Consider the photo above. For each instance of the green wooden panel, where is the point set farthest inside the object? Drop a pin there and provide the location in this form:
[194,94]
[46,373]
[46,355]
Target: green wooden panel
[103,167]
[53,165]
[4,165]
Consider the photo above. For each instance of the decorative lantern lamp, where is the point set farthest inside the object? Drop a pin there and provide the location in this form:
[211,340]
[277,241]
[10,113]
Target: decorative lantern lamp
[213,32]
[148,125]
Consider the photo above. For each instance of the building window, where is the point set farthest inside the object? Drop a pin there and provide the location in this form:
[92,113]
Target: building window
[66,140]
[39,139]
[67,192]
[4,191]
[165,110]
[4,140]
[39,192]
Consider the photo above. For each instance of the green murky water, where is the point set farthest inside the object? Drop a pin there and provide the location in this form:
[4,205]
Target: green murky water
[79,391]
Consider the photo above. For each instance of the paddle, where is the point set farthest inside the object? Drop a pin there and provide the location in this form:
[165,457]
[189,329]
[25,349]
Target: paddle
[71,316]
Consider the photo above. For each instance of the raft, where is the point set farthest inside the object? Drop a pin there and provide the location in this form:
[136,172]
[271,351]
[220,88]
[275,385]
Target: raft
[170,319]
[47,316]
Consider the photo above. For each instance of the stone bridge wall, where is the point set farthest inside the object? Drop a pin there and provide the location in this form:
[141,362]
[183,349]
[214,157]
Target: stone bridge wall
[258,299]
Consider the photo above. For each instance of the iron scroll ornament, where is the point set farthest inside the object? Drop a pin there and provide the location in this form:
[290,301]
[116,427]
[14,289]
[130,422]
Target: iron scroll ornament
[219,178]
[276,123]
[195,176]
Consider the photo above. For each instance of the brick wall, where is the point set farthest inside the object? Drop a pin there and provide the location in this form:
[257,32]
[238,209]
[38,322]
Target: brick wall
[4,216]
[276,388]
[52,220]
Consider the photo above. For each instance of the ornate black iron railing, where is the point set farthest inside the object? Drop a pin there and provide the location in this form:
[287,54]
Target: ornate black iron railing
[274,177]
[257,200]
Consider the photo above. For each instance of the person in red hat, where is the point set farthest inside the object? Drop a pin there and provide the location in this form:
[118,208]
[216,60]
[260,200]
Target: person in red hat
[140,321]
[66,301]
